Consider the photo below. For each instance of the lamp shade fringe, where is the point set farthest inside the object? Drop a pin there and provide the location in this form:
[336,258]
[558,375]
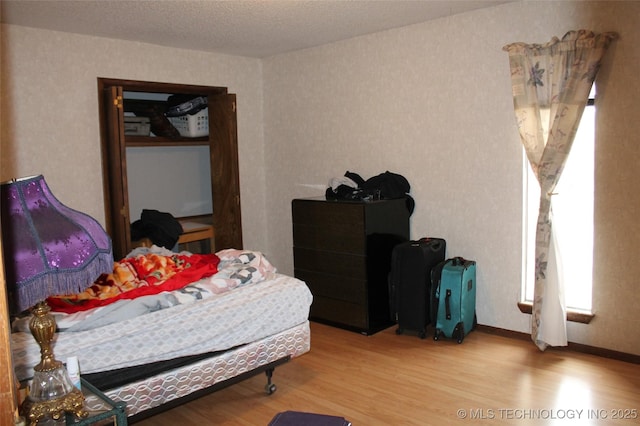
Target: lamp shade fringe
[62,282]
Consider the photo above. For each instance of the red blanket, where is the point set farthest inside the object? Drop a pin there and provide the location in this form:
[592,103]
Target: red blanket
[139,276]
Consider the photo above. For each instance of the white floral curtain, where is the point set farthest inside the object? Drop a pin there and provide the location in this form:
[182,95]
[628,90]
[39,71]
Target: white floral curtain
[551,84]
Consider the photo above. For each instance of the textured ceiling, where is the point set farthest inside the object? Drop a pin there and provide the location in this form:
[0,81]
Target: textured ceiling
[240,27]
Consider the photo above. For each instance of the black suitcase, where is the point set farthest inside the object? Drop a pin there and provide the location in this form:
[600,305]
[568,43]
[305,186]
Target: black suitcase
[410,282]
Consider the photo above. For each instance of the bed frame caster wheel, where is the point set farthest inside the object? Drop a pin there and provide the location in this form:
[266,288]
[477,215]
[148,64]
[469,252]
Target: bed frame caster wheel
[270,388]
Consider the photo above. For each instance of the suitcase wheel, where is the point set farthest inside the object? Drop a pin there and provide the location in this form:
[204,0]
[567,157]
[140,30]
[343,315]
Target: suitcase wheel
[436,336]
[421,334]
[458,332]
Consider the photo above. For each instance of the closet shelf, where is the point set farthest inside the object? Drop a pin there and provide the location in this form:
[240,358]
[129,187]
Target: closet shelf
[146,141]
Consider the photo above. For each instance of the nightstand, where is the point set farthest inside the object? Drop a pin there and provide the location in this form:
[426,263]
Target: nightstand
[102,409]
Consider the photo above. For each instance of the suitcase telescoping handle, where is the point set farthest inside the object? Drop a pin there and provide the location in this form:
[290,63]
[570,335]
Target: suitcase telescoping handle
[461,261]
[436,243]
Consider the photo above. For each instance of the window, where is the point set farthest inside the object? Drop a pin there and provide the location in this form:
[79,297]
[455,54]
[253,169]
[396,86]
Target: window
[573,218]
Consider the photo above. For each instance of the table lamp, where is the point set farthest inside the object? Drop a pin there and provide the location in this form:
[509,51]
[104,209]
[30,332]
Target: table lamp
[49,249]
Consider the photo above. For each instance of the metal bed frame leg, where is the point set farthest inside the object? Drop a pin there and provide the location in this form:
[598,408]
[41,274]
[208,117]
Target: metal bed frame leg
[270,387]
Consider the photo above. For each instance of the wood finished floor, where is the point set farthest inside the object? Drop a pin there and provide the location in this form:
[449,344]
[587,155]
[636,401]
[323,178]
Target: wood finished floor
[386,379]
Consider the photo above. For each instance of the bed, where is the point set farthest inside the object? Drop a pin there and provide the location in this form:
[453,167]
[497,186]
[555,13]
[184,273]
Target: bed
[234,317]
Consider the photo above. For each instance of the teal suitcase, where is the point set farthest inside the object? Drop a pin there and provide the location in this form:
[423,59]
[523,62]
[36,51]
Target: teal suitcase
[454,294]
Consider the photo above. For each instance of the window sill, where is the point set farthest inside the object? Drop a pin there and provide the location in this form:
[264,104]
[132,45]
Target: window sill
[572,315]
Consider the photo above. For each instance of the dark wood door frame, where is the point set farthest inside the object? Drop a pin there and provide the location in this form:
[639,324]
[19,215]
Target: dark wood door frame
[223,149]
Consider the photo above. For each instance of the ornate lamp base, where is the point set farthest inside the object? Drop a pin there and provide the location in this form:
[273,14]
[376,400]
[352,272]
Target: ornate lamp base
[52,393]
[35,411]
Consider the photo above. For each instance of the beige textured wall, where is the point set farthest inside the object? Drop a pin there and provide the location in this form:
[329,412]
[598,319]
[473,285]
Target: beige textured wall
[433,102]
[50,110]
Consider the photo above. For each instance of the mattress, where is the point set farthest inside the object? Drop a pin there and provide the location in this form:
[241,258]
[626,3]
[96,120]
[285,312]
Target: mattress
[248,314]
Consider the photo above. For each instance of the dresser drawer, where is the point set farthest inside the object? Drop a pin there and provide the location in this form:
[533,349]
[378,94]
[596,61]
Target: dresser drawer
[329,226]
[330,262]
[341,287]
[336,237]
[326,309]
[324,213]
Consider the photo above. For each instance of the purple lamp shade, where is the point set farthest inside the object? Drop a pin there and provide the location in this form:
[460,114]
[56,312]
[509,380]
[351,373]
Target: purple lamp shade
[49,249]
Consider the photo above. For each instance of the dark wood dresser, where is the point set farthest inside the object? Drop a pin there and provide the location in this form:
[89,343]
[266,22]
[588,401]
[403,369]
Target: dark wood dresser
[342,250]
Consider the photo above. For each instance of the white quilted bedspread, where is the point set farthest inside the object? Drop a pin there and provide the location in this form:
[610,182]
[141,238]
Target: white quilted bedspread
[217,323]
